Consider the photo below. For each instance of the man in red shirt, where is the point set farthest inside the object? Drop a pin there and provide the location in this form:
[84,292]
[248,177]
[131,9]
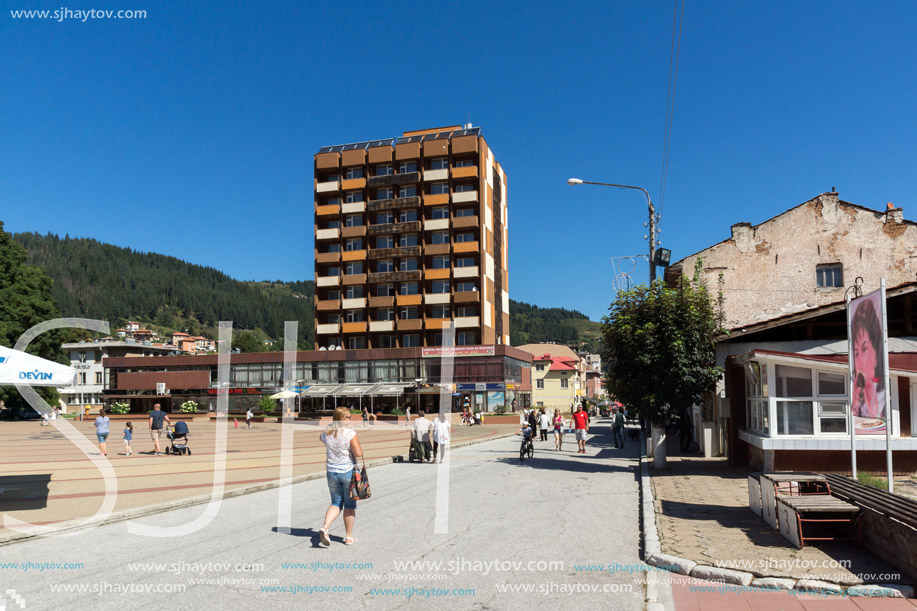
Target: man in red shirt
[581,426]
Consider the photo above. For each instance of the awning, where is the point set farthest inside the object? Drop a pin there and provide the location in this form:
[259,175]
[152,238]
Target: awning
[353,390]
[390,389]
[321,390]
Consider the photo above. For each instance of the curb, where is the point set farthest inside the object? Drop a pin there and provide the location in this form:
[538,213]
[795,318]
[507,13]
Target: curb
[682,566]
[70,526]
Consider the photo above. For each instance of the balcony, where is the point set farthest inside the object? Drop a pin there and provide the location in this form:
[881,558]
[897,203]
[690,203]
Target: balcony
[436,323]
[327,257]
[353,255]
[387,277]
[467,297]
[328,281]
[436,174]
[329,210]
[398,203]
[461,222]
[437,274]
[354,327]
[436,298]
[394,179]
[437,249]
[462,247]
[435,224]
[324,305]
[328,187]
[409,227]
[465,272]
[466,172]
[395,253]
[353,303]
[381,302]
[353,183]
[351,279]
[327,234]
[440,199]
[353,207]
[464,322]
[414,324]
[408,300]
[464,196]
[353,232]
[381,326]
[327,328]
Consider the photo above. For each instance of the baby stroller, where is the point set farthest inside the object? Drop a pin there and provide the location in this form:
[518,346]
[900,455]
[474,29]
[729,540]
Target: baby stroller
[415,451]
[179,438]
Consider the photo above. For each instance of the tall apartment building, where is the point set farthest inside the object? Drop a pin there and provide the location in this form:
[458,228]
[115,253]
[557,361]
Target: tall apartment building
[410,234]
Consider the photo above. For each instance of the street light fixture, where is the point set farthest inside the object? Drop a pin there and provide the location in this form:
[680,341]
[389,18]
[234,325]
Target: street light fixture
[649,205]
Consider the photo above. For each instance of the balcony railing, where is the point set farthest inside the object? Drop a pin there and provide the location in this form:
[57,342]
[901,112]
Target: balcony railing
[393,179]
[395,253]
[397,203]
[387,277]
[408,227]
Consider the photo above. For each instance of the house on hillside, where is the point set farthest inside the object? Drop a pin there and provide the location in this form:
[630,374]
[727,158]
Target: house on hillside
[780,286]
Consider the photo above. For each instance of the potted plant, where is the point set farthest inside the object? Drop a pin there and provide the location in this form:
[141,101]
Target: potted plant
[119,408]
[188,407]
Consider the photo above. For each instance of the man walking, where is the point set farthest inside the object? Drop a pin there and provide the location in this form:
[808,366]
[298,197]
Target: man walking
[581,427]
[421,434]
[157,418]
[617,427]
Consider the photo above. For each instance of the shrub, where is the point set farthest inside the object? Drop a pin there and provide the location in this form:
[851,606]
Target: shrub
[188,407]
[868,479]
[266,405]
[397,411]
[119,408]
[500,409]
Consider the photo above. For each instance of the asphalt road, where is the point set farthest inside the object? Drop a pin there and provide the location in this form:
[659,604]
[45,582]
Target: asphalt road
[515,534]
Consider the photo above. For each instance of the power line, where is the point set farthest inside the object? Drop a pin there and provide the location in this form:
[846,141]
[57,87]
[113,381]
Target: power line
[674,56]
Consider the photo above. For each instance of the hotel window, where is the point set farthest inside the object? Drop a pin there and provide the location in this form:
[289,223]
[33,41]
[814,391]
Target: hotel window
[353,315]
[409,288]
[333,295]
[564,383]
[332,178]
[335,247]
[466,338]
[407,191]
[440,262]
[465,262]
[333,271]
[829,276]
[356,343]
[351,173]
[385,341]
[354,291]
[385,241]
[440,163]
[334,224]
[439,237]
[464,188]
[354,244]
[539,384]
[408,265]
[333,318]
[440,286]
[384,169]
[407,216]
[385,290]
[352,197]
[354,267]
[333,201]
[439,311]
[439,212]
[464,212]
[385,218]
[439,188]
[385,193]
[408,239]
[353,220]
[464,163]
[409,313]
[384,314]
[466,311]
[405,167]
[411,340]
[464,237]
[464,287]
[385,265]
[438,339]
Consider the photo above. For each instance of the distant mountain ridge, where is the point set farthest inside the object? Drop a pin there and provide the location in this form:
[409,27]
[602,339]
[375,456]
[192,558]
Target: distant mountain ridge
[93,279]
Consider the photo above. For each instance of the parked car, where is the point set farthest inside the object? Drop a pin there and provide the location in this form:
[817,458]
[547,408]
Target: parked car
[19,413]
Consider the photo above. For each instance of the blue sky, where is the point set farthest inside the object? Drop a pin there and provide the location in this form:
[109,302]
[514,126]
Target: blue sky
[191,132]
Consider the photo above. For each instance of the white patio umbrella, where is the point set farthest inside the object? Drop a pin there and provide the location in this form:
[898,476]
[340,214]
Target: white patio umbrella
[285,394]
[18,367]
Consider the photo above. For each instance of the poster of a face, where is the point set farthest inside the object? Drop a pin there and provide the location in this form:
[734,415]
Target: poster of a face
[867,341]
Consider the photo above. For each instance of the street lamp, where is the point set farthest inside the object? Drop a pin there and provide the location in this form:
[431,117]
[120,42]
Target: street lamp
[649,205]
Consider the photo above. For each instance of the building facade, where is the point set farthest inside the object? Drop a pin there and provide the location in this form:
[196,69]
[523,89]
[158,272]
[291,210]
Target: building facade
[554,382]
[411,236]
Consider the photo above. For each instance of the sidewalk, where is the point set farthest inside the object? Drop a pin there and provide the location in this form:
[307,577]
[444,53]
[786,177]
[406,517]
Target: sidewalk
[45,479]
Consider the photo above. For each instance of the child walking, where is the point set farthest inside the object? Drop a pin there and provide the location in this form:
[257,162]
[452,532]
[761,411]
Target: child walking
[128,437]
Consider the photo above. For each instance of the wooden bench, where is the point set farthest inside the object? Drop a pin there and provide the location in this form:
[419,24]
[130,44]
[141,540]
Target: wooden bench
[774,485]
[890,505]
[795,512]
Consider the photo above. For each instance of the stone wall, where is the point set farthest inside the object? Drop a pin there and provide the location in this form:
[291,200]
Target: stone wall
[894,542]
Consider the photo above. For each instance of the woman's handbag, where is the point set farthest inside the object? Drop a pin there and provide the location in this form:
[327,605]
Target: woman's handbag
[359,484]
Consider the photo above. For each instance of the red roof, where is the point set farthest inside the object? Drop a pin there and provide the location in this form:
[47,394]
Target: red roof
[558,363]
[179,333]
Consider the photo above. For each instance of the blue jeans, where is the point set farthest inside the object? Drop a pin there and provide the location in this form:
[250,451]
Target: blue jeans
[339,486]
[619,436]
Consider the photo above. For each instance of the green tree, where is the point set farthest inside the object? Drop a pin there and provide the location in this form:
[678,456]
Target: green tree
[659,347]
[25,301]
[248,342]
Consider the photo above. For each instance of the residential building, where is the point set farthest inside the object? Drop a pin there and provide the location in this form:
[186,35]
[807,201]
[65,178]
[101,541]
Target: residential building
[178,336]
[595,384]
[577,382]
[410,237]
[553,382]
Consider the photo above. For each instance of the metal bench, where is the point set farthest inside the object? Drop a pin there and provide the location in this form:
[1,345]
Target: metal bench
[797,511]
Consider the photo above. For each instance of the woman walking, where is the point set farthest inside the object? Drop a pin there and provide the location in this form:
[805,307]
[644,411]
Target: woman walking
[558,430]
[342,449]
[103,426]
[543,423]
[442,429]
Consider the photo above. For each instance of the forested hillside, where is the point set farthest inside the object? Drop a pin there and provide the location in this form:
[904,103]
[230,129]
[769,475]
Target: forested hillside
[97,280]
[532,324]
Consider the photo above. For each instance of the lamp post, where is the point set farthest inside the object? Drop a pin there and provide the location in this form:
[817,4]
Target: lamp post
[649,205]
